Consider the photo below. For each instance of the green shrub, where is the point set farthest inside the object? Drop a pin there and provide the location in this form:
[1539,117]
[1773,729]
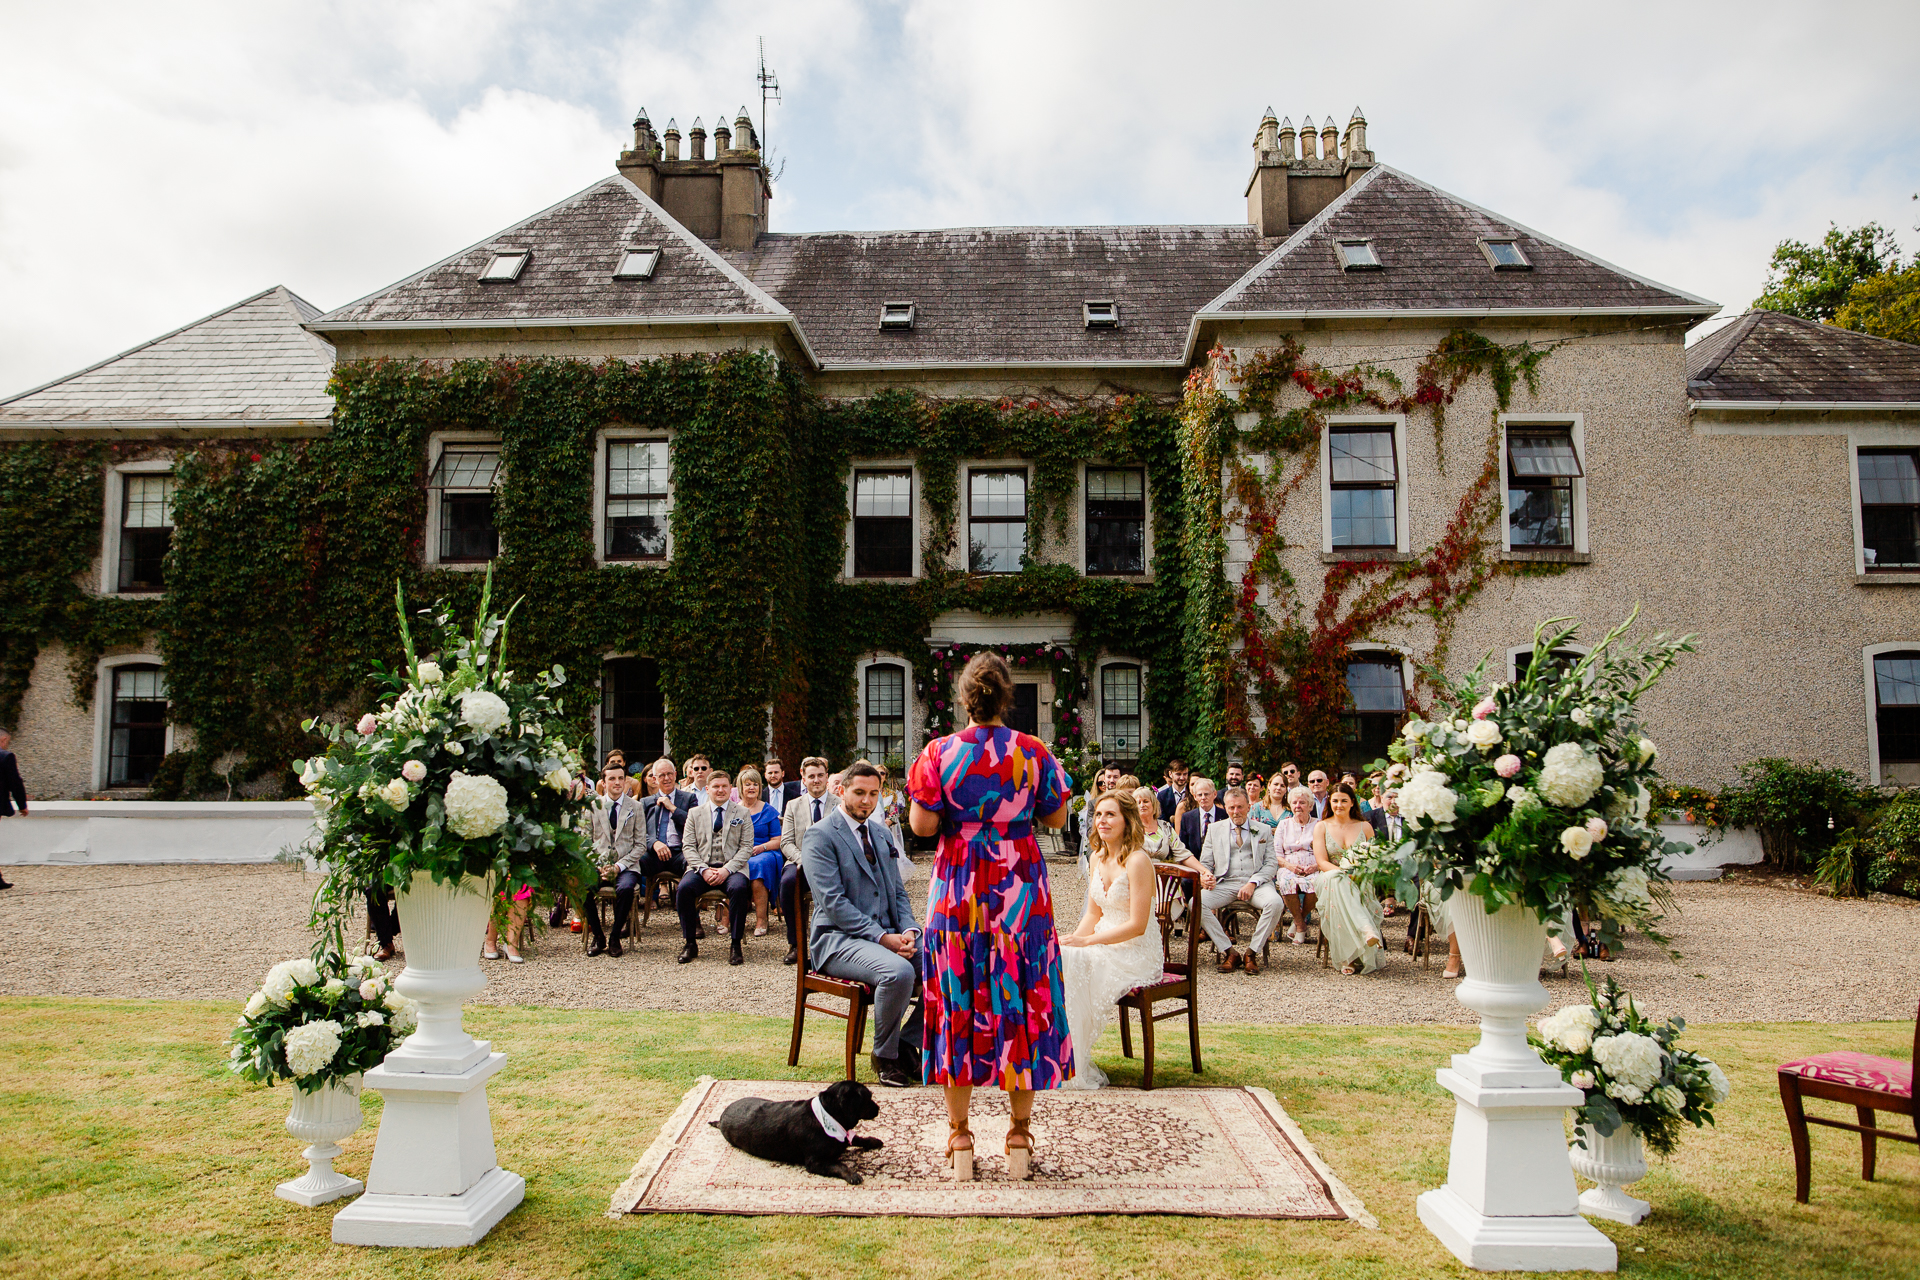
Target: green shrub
[1799,810]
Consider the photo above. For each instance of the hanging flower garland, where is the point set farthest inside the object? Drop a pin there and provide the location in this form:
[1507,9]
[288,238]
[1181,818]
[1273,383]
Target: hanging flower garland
[936,687]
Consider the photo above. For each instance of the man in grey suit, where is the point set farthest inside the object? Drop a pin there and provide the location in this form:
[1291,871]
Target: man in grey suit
[812,805]
[1240,857]
[863,928]
[717,842]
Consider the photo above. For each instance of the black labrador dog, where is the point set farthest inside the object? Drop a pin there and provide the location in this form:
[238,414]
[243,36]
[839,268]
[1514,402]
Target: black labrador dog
[790,1132]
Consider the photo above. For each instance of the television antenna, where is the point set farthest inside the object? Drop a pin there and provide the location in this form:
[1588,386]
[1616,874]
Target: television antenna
[769,92]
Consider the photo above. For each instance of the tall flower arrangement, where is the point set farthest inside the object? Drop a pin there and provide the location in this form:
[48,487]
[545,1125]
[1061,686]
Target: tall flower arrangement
[1538,791]
[461,772]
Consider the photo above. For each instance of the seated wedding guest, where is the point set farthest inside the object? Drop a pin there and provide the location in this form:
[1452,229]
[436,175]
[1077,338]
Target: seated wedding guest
[812,805]
[834,784]
[696,771]
[603,852]
[664,813]
[383,919]
[1175,788]
[1317,783]
[1293,849]
[619,848]
[764,862]
[1270,806]
[516,927]
[1158,838]
[780,788]
[863,929]
[1081,824]
[717,837]
[892,812]
[1115,947]
[1349,914]
[1206,811]
[1290,774]
[1239,856]
[1237,777]
[1126,784]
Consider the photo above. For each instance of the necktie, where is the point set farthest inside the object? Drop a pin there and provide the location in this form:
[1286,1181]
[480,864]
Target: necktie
[613,817]
[866,840]
[816,808]
[719,821]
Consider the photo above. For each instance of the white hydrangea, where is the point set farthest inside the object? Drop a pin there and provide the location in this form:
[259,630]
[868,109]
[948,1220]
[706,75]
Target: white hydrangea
[371,1019]
[311,1047]
[1426,796]
[1633,1063]
[1484,734]
[406,1014]
[256,1004]
[285,976]
[1669,1099]
[1627,889]
[483,710]
[557,778]
[1521,798]
[476,805]
[1571,1028]
[430,673]
[1577,841]
[1717,1080]
[1570,776]
[396,794]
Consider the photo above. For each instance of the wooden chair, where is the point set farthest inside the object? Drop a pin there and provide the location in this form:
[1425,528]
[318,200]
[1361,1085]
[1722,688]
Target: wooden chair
[1423,934]
[858,995]
[1239,917]
[1179,979]
[602,902]
[1867,1083]
[643,900]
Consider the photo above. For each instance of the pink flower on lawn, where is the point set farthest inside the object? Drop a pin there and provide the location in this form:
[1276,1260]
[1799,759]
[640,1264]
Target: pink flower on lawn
[1484,708]
[1506,766]
[1597,828]
[367,724]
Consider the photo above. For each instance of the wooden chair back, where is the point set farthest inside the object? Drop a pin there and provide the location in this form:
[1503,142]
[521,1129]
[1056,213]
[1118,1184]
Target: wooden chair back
[859,997]
[1174,883]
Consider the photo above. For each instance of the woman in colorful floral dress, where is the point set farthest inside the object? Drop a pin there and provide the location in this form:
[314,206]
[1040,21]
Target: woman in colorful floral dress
[994,1006]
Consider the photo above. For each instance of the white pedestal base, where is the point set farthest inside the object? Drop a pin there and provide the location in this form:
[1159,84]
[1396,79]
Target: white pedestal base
[1614,1205]
[317,1187]
[430,1222]
[433,1183]
[1558,1243]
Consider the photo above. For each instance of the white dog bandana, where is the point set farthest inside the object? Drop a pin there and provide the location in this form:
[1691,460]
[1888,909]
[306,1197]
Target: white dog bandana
[827,1122]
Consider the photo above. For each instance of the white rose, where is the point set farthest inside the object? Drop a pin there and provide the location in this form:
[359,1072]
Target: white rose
[1647,750]
[335,987]
[558,779]
[483,711]
[1484,734]
[396,794]
[311,1047]
[455,749]
[476,805]
[370,989]
[1571,1028]
[256,1004]
[1569,776]
[430,673]
[1581,1080]
[1427,796]
[405,1013]
[372,1019]
[311,775]
[1577,841]
[1581,718]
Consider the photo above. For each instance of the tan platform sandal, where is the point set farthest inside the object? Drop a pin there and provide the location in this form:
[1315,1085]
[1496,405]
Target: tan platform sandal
[1020,1150]
[959,1156]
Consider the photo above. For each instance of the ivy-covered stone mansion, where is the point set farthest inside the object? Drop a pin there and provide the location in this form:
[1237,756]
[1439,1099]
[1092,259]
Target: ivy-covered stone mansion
[1219,491]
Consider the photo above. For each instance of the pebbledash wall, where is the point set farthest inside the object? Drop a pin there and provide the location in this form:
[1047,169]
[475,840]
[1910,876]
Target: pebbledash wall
[1740,527]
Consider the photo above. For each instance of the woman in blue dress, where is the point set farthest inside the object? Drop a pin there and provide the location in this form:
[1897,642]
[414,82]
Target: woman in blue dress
[766,863]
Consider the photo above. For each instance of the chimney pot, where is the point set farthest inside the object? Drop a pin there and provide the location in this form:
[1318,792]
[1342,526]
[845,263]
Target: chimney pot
[722,138]
[671,141]
[1356,134]
[642,132]
[1329,140]
[1267,139]
[1308,139]
[743,132]
[1286,140]
[697,140]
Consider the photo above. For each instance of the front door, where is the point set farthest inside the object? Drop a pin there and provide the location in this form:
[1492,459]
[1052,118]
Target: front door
[1024,714]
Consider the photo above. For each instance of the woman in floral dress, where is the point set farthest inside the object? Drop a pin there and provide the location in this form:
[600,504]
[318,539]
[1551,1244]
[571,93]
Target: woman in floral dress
[994,1006]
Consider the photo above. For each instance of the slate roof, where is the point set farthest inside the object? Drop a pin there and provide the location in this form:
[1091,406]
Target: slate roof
[575,247]
[1002,294]
[1767,356]
[1428,245]
[252,362]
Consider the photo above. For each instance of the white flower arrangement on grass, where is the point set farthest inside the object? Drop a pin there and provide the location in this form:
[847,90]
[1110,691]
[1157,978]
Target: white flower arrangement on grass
[1625,1061]
[454,775]
[318,1023]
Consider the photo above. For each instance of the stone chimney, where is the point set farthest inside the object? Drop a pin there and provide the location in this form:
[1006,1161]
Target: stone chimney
[723,198]
[1286,190]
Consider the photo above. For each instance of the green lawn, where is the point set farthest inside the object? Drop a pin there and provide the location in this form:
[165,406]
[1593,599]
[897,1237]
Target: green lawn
[126,1149]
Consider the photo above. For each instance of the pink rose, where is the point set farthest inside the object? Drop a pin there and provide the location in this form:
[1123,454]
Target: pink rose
[1597,828]
[1506,766]
[1483,709]
[939,706]
[367,724]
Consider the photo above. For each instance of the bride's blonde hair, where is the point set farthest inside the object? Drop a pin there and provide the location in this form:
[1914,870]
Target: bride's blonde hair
[1133,832]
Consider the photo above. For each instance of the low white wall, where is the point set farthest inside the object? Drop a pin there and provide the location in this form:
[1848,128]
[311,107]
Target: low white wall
[61,832]
[1712,850]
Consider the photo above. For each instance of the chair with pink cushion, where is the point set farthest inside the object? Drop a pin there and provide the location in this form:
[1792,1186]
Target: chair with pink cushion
[1867,1083]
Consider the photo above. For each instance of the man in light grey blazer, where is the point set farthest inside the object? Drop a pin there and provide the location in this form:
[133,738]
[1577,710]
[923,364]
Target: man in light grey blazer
[863,928]
[798,815]
[716,844]
[1239,856]
[617,852]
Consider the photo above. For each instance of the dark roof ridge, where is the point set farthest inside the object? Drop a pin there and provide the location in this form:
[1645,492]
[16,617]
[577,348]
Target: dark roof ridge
[1719,346]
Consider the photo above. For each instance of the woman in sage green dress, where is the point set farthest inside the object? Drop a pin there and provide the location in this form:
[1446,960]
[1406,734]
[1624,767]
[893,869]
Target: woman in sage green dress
[1349,915]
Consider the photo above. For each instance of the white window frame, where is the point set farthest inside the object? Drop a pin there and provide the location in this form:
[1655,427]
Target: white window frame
[1100,704]
[1402,534]
[915,715]
[437,444]
[1576,426]
[1080,533]
[1519,651]
[103,710]
[116,494]
[1874,437]
[600,493]
[1867,655]
[964,517]
[912,469]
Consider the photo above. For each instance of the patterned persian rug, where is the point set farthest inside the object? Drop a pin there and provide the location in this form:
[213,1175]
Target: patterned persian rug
[1220,1153]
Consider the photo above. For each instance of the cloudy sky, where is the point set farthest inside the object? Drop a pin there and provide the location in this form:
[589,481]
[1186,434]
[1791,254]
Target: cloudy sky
[160,161]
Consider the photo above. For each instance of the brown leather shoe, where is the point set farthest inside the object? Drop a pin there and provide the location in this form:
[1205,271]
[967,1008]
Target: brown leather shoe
[1230,961]
[1253,962]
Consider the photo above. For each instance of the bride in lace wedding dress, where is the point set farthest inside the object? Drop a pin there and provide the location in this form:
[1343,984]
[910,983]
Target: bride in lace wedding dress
[1115,947]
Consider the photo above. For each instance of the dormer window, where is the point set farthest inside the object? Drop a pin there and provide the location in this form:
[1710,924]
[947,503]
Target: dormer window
[1101,315]
[637,264]
[1505,255]
[1357,255]
[896,315]
[505,266]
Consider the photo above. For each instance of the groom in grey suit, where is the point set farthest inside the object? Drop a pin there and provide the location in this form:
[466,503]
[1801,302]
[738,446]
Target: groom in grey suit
[863,928]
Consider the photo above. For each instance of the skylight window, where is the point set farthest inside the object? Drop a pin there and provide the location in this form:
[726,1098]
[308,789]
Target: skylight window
[1101,315]
[896,315]
[505,266]
[1505,255]
[637,264]
[1358,255]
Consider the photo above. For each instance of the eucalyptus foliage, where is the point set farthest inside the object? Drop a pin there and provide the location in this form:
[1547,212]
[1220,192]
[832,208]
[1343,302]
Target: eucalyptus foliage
[1538,791]
[463,773]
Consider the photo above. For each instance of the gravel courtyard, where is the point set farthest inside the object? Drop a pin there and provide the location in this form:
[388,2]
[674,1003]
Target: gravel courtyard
[1753,948]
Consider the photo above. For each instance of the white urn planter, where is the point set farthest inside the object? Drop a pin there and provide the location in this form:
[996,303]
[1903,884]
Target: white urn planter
[1509,1202]
[321,1119]
[1612,1162]
[434,1182]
